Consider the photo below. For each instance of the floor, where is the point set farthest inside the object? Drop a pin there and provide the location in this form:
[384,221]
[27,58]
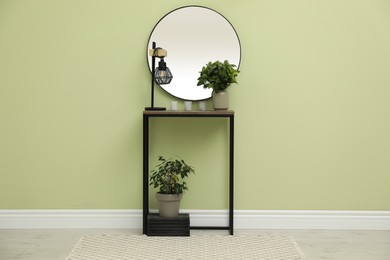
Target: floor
[316,244]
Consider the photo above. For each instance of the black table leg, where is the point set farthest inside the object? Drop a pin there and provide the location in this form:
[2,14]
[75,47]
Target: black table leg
[145,173]
[231,174]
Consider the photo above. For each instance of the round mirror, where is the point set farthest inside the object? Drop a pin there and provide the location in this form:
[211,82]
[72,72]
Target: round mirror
[193,36]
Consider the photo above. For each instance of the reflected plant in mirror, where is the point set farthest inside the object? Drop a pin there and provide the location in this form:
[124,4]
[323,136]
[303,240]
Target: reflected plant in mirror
[218,76]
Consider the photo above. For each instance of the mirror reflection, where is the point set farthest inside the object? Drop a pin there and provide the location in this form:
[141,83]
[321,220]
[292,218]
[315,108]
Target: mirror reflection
[193,36]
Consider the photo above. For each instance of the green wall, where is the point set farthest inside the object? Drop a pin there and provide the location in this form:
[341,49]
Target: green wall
[312,106]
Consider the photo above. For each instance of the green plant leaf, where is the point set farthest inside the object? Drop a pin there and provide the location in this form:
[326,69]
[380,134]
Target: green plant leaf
[169,174]
[217,75]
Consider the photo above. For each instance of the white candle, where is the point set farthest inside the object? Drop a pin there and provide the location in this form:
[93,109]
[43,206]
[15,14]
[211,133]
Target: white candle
[188,105]
[202,105]
[174,105]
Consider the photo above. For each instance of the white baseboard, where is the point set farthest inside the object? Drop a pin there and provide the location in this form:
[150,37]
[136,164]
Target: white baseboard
[314,219]
[243,219]
[59,219]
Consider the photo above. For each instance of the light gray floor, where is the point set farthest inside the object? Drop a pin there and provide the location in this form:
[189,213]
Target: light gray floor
[316,244]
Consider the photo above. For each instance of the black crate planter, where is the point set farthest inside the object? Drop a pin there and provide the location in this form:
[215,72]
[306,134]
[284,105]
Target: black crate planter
[168,226]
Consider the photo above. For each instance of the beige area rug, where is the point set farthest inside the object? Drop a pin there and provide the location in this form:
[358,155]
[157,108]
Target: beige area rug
[118,247]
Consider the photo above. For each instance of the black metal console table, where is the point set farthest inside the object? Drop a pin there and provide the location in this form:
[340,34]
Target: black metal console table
[215,113]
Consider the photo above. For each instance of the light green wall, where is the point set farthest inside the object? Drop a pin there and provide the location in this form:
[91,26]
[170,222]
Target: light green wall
[312,107]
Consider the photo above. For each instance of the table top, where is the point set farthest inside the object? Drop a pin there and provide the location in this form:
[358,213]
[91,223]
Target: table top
[189,113]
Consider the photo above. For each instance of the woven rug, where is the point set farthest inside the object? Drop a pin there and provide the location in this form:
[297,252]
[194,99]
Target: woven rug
[119,247]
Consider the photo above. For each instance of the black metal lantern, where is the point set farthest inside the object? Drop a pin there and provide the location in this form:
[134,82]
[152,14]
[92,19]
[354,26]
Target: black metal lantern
[162,75]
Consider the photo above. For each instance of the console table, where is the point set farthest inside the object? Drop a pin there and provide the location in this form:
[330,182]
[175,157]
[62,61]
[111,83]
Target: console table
[214,113]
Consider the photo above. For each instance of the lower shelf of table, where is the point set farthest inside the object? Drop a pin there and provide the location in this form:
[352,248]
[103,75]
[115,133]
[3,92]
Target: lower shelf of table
[175,226]
[210,227]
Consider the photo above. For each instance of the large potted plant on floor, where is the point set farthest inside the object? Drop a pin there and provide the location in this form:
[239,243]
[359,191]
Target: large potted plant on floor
[218,76]
[168,177]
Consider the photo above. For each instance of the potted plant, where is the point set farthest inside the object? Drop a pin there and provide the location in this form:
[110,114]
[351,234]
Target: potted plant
[168,177]
[218,76]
